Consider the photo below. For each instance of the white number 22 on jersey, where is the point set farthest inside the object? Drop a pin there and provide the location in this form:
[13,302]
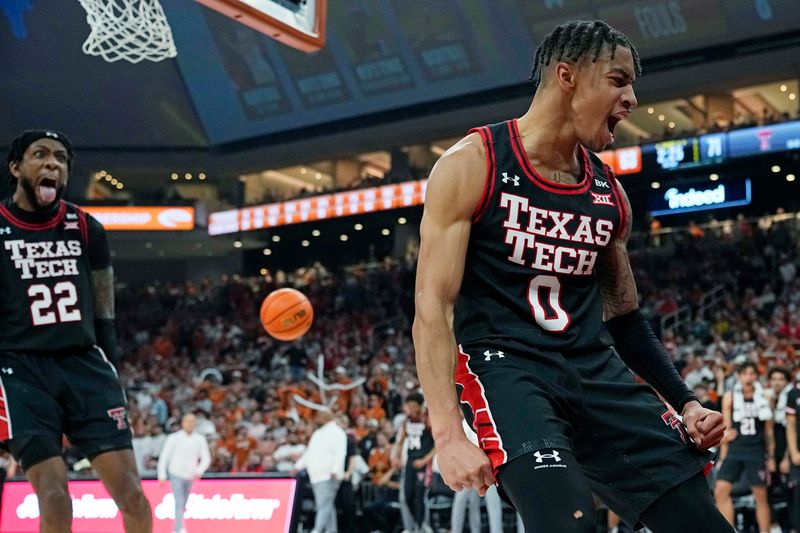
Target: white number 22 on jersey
[66,298]
[551,287]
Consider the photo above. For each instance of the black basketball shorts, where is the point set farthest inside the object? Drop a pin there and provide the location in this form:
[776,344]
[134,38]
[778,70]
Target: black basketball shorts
[753,467]
[631,448]
[45,397]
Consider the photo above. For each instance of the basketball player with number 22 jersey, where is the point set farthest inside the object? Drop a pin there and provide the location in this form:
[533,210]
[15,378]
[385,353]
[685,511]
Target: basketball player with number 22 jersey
[56,337]
[527,315]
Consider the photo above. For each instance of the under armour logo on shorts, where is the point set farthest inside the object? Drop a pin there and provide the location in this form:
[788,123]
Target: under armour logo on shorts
[514,180]
[489,355]
[540,457]
[118,414]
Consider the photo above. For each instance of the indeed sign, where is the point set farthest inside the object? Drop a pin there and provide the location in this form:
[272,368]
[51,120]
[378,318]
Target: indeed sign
[694,198]
[698,196]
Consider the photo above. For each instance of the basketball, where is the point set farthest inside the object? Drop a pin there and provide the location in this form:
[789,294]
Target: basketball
[286,314]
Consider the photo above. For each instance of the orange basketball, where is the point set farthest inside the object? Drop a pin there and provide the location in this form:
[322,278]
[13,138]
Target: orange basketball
[286,314]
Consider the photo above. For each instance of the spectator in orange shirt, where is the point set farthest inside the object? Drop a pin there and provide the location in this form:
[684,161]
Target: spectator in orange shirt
[375,409]
[240,445]
[380,457]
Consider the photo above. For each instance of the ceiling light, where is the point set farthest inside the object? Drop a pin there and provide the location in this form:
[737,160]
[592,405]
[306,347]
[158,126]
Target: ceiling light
[784,88]
[114,181]
[651,110]
[385,231]
[318,176]
[790,177]
[108,177]
[263,271]
[671,124]
[188,175]
[655,185]
[714,177]
[661,118]
[401,220]
[358,227]
[202,175]
[343,237]
[304,243]
[303,170]
[267,251]
[276,238]
[148,245]
[792,96]
[102,173]
[237,244]
[174,176]
[315,233]
[120,186]
[776,169]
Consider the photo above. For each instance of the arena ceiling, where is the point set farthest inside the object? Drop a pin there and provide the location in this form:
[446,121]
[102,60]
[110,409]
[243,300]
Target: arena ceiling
[205,110]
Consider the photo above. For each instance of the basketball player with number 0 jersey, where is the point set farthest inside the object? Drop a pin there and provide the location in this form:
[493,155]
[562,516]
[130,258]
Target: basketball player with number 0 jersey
[56,337]
[527,314]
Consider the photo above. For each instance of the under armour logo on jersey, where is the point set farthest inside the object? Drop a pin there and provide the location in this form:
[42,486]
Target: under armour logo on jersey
[5,231]
[120,416]
[514,180]
[52,134]
[6,370]
[602,184]
[489,355]
[540,457]
[601,199]
[72,216]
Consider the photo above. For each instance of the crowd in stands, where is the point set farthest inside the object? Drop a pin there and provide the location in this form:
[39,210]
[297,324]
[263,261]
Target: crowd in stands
[199,346]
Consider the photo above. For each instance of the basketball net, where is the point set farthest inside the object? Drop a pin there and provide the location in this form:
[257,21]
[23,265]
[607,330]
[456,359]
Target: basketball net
[128,29]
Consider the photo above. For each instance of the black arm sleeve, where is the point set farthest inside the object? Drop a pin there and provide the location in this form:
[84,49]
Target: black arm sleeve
[641,350]
[105,330]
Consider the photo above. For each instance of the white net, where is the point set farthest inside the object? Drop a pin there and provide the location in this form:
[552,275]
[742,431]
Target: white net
[128,29]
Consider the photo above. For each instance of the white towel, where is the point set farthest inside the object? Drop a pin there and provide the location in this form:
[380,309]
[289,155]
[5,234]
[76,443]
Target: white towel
[780,406]
[761,402]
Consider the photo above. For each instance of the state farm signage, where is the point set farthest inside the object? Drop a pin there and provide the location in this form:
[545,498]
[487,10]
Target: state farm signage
[144,218]
[243,505]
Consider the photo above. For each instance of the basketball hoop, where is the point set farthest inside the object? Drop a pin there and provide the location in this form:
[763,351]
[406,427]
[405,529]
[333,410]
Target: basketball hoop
[128,29]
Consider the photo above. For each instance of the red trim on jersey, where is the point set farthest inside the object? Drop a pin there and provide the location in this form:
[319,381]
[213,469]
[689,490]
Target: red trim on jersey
[550,186]
[84,226]
[50,224]
[623,211]
[483,424]
[6,432]
[488,186]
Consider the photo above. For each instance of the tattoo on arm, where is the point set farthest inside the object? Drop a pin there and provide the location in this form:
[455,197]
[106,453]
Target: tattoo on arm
[617,286]
[103,289]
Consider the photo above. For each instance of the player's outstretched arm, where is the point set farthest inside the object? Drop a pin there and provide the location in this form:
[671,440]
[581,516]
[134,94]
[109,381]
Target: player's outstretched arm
[638,345]
[453,192]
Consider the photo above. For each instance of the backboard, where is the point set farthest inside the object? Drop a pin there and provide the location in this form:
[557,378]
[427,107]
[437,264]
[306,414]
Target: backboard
[296,23]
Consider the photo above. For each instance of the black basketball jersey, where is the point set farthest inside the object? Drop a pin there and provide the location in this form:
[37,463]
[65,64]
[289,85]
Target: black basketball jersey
[45,278]
[418,437]
[749,441]
[529,279]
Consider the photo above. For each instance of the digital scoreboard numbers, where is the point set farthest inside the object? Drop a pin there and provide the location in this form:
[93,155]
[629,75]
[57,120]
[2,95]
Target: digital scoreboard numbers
[690,152]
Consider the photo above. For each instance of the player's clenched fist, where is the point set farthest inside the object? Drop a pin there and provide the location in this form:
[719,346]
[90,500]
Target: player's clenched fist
[463,465]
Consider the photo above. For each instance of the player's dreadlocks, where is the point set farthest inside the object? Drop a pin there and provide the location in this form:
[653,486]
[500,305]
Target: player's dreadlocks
[573,40]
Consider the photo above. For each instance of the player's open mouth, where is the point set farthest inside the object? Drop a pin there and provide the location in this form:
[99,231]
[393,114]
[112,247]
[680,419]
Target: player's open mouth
[47,190]
[613,120]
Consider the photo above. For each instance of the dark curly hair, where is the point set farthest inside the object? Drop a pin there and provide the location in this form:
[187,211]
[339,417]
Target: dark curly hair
[572,40]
